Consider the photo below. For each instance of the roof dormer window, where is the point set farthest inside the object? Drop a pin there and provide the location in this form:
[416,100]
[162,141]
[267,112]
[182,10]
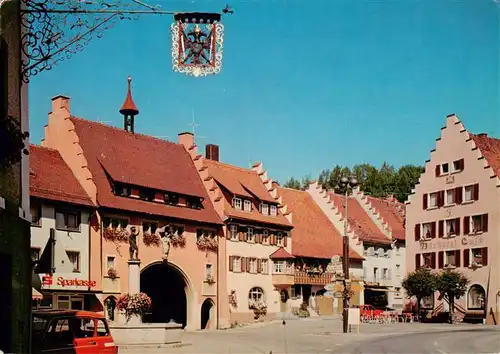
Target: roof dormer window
[171,199]
[247,205]
[264,209]
[193,202]
[237,204]
[274,210]
[146,194]
[121,190]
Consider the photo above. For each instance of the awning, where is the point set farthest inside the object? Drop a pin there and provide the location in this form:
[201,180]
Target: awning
[382,290]
[36,295]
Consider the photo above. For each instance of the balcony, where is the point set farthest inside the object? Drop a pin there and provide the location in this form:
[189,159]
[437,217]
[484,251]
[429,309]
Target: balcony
[110,285]
[309,278]
[283,278]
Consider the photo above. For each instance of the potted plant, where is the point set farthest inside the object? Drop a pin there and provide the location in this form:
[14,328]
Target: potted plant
[233,300]
[178,239]
[150,239]
[134,305]
[112,273]
[259,308]
[210,280]
[115,234]
[207,243]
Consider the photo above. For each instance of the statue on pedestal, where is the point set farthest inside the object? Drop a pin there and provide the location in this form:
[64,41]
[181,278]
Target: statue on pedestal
[132,241]
[166,239]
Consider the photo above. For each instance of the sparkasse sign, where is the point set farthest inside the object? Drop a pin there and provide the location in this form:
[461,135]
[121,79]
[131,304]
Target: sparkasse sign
[64,282]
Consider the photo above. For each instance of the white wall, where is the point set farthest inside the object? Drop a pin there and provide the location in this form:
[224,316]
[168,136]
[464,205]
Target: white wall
[65,241]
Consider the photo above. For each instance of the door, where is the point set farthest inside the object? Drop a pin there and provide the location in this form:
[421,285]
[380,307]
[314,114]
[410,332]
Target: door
[85,339]
[105,342]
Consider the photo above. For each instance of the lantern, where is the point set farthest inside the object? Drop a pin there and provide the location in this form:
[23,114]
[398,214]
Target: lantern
[197,43]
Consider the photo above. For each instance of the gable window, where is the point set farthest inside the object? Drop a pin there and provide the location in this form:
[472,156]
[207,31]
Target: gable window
[237,204]
[445,169]
[433,200]
[74,259]
[458,165]
[114,223]
[247,205]
[171,198]
[265,236]
[150,227]
[471,192]
[264,209]
[67,220]
[274,210]
[36,213]
[250,235]
[279,239]
[450,196]
[234,232]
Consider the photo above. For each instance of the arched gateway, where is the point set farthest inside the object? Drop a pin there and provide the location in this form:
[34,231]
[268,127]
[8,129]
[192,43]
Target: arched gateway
[169,291]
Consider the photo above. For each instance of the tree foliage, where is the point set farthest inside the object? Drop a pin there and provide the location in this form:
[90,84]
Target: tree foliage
[420,283]
[378,182]
[452,285]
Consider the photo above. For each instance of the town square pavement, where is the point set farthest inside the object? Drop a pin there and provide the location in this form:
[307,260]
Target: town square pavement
[324,335]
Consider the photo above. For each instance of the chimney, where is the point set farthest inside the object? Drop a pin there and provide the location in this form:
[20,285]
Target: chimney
[186,139]
[212,152]
[483,134]
[60,102]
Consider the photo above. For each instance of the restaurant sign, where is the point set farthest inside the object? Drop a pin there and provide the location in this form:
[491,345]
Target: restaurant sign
[451,243]
[47,280]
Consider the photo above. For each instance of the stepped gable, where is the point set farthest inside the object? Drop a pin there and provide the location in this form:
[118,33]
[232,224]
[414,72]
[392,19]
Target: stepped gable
[313,234]
[359,221]
[388,210]
[117,155]
[52,179]
[245,183]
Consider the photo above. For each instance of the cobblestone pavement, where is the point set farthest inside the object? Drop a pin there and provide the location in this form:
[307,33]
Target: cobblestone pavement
[321,335]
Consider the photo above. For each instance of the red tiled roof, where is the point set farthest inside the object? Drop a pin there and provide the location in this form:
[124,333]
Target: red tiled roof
[281,253]
[313,234]
[490,148]
[360,222]
[143,161]
[390,215]
[52,179]
[247,184]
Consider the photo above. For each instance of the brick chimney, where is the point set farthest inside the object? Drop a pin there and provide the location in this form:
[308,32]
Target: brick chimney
[212,152]
[59,102]
[187,140]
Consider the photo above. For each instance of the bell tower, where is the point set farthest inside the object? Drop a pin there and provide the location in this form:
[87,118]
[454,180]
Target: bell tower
[129,110]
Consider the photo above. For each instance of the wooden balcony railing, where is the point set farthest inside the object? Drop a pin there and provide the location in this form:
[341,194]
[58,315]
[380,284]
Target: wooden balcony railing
[312,278]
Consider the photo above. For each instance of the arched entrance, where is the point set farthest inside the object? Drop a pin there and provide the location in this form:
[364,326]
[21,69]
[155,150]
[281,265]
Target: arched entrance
[207,314]
[476,298]
[167,287]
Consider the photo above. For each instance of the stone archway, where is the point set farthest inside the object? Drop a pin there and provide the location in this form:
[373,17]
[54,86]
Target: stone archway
[170,292]
[476,297]
[207,314]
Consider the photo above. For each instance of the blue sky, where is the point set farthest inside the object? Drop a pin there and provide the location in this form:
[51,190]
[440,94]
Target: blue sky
[305,84]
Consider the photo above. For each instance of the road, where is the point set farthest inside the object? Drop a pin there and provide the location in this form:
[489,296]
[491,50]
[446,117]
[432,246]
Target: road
[325,336]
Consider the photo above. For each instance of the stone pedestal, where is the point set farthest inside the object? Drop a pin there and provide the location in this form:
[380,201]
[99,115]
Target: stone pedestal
[132,331]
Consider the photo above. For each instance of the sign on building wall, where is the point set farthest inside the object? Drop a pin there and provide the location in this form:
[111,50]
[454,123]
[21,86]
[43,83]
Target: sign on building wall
[453,243]
[48,282]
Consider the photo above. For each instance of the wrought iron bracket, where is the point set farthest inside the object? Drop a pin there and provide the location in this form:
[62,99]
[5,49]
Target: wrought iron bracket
[54,30]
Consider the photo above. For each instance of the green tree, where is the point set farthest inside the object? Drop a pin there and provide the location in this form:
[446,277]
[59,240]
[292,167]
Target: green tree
[452,285]
[420,283]
[292,183]
[406,179]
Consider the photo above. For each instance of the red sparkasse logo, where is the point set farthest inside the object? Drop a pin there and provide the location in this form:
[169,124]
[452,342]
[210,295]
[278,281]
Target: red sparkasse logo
[75,282]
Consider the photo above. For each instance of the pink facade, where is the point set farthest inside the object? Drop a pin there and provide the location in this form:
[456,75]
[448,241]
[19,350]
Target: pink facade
[453,218]
[150,184]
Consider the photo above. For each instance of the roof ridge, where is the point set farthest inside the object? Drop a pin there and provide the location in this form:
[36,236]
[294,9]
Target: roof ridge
[43,147]
[232,166]
[124,131]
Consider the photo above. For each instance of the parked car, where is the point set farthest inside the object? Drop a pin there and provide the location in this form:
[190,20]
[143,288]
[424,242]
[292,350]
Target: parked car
[369,310]
[68,331]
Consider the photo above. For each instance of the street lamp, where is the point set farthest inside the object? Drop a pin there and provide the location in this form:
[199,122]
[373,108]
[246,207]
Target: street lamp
[346,184]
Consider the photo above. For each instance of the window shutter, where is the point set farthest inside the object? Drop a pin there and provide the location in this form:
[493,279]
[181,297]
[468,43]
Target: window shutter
[441,228]
[230,263]
[440,198]
[259,264]
[484,222]
[484,254]
[424,201]
[243,262]
[417,261]
[440,259]
[241,235]
[466,225]
[457,226]
[475,192]
[457,258]
[247,267]
[417,232]
[273,239]
[284,239]
[433,229]
[433,260]
[466,258]
[438,170]
[266,266]
[458,195]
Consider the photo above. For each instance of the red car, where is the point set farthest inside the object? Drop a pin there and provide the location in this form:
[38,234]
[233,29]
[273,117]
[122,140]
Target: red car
[369,310]
[75,332]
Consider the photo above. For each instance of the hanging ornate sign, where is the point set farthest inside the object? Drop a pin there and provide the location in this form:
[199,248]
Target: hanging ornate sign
[197,43]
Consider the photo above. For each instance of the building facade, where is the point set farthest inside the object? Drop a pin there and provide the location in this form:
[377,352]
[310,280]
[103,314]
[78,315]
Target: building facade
[15,262]
[317,247]
[369,237]
[259,264]
[60,234]
[453,218]
[147,191]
